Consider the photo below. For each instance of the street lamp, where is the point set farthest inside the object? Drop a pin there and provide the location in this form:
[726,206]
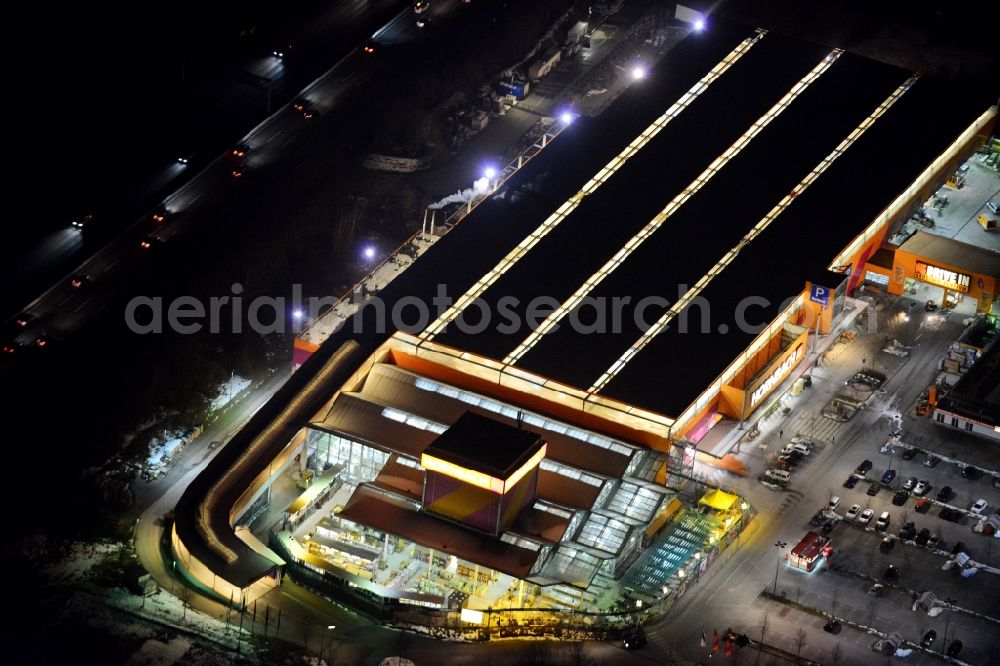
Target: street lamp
[566,117]
[369,252]
[780,545]
[638,605]
[638,72]
[699,25]
[490,172]
[944,639]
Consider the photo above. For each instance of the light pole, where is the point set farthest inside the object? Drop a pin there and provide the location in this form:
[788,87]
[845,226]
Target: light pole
[944,639]
[780,545]
[638,605]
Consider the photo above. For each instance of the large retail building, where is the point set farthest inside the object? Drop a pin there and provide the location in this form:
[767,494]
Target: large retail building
[727,209]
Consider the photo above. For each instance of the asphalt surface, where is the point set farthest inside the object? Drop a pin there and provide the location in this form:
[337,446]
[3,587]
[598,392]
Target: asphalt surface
[221,102]
[281,140]
[729,596]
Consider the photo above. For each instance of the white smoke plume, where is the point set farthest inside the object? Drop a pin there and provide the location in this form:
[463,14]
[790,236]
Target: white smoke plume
[478,189]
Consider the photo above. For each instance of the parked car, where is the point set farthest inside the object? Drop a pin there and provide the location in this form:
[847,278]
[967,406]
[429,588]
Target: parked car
[928,639]
[832,627]
[882,523]
[899,499]
[888,476]
[911,453]
[851,481]
[921,488]
[817,519]
[932,461]
[782,463]
[923,536]
[996,482]
[833,503]
[874,489]
[876,589]
[979,507]
[959,548]
[828,526]
[944,494]
[865,516]
[934,540]
[923,505]
[864,467]
[908,532]
[803,440]
[797,448]
[970,472]
[949,514]
[891,573]
[954,648]
[888,543]
[795,456]
[790,460]
[853,512]
[910,483]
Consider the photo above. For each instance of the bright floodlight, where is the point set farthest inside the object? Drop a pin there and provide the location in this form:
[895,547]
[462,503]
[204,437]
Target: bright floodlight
[699,25]
[638,72]
[369,252]
[297,314]
[490,172]
[566,117]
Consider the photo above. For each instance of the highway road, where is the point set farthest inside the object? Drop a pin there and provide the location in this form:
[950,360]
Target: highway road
[202,126]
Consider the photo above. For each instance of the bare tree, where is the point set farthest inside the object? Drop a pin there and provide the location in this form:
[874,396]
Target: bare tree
[834,599]
[872,609]
[835,655]
[800,640]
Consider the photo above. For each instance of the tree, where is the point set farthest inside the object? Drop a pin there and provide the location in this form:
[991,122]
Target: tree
[835,655]
[800,640]
[763,632]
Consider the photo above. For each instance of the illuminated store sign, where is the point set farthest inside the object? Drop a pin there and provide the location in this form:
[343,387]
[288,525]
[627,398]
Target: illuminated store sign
[777,375]
[480,479]
[942,277]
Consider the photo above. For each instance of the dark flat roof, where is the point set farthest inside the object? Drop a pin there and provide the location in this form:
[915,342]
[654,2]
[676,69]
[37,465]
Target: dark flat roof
[934,247]
[486,445]
[977,393]
[380,511]
[801,243]
[716,218]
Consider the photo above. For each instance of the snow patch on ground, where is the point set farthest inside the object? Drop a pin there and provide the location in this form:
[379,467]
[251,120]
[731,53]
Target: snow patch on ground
[227,391]
[80,559]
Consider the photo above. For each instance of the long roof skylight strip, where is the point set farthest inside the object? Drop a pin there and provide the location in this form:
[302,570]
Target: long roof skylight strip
[664,321]
[590,187]
[653,225]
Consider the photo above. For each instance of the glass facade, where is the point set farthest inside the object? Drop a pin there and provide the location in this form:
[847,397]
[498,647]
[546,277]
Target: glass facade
[361,462]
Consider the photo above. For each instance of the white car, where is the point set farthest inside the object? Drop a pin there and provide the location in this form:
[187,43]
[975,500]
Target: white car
[978,507]
[883,521]
[921,487]
[834,502]
[805,441]
[852,513]
[800,448]
[865,516]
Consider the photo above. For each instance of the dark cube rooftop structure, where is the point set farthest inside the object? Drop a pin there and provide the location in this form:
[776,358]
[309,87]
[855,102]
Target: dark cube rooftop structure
[485,445]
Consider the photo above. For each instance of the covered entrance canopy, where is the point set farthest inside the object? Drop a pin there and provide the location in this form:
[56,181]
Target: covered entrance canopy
[719,500]
[958,273]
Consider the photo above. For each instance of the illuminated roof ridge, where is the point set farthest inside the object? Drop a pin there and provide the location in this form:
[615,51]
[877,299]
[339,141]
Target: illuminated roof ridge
[676,308]
[679,200]
[602,176]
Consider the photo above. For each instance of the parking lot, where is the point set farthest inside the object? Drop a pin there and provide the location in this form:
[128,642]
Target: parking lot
[839,448]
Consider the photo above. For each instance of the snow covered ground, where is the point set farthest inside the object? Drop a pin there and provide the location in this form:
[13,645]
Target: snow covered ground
[227,391]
